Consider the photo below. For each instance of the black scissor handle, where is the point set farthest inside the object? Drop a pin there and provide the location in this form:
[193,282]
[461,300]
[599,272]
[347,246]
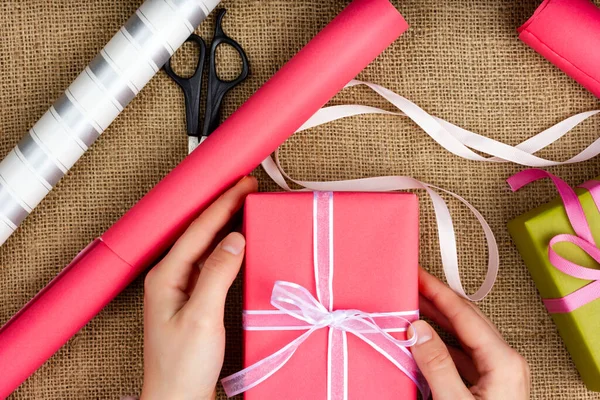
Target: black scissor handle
[192,87]
[217,87]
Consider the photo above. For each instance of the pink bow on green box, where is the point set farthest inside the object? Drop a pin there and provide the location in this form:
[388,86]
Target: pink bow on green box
[558,242]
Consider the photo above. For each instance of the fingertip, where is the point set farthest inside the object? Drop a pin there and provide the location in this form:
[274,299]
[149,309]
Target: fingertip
[234,243]
[226,258]
[217,274]
[431,287]
[237,193]
[423,330]
[250,183]
[425,276]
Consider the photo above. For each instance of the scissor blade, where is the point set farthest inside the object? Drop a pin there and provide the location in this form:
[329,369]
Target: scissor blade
[194,142]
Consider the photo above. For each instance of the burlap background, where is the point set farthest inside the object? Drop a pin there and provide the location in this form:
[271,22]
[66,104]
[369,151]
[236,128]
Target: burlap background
[461,60]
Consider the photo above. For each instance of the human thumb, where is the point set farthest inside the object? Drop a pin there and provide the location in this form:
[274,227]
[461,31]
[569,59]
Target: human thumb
[435,362]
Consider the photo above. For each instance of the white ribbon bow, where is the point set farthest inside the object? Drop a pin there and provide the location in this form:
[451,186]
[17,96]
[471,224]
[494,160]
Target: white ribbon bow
[297,302]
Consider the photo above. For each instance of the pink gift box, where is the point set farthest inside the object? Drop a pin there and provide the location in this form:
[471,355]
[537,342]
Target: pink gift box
[375,253]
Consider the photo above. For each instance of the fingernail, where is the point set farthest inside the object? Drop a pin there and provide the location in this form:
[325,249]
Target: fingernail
[424,333]
[234,243]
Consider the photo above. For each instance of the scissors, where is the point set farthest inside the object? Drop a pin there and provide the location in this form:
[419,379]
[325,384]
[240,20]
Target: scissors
[216,87]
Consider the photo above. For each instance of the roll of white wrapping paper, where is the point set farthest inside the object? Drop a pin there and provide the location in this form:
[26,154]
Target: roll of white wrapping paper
[113,78]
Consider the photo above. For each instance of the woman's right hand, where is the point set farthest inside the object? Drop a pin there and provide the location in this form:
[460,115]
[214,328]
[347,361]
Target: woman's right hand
[494,370]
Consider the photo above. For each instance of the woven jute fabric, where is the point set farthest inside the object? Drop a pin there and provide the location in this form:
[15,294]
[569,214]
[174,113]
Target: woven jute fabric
[461,60]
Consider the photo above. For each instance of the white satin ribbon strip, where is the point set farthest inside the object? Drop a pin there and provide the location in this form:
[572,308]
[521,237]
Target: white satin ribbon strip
[447,237]
[269,320]
[459,141]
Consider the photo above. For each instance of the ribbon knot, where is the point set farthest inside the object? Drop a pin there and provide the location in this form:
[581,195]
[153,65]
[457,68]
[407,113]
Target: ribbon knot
[297,302]
[337,318]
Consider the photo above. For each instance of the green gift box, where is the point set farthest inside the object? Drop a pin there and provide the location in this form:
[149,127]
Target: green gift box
[579,329]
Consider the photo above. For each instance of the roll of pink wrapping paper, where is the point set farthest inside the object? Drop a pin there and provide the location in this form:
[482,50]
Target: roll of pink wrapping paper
[321,69]
[567,33]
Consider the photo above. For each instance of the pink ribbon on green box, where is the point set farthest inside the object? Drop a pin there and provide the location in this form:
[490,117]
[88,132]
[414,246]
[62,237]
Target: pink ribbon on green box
[583,239]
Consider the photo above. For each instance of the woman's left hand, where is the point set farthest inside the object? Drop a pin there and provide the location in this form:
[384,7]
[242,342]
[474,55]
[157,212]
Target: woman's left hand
[184,335]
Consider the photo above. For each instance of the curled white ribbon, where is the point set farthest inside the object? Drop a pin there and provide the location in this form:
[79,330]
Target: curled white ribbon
[459,141]
[446,234]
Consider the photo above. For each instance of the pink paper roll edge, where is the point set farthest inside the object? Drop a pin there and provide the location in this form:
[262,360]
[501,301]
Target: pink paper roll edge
[535,15]
[581,67]
[109,264]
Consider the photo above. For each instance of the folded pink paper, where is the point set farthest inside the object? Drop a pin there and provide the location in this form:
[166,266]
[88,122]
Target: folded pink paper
[321,69]
[567,33]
